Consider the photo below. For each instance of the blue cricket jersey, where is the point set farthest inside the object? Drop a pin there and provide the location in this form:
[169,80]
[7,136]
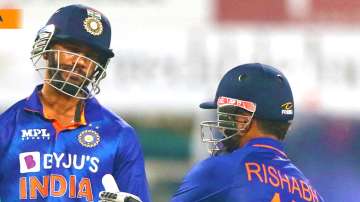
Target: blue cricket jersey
[258,172]
[40,161]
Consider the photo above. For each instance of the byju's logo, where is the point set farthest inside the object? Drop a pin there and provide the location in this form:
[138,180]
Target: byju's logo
[29,162]
[34,162]
[35,134]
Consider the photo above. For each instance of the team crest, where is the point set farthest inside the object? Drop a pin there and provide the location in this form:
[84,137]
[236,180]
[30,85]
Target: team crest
[93,26]
[89,138]
[92,23]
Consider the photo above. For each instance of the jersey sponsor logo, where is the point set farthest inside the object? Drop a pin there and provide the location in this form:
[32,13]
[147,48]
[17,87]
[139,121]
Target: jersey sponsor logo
[89,138]
[33,162]
[29,162]
[36,134]
[289,184]
[54,185]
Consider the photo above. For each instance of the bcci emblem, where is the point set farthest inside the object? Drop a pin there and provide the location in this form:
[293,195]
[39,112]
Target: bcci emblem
[89,138]
[93,26]
[92,23]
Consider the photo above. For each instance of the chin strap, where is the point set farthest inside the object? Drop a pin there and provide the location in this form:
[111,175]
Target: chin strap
[79,109]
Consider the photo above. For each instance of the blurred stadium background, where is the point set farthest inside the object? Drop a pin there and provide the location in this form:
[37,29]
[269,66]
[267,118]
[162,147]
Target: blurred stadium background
[170,55]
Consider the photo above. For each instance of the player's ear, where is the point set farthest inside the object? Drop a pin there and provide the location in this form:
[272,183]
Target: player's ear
[45,55]
[254,125]
[48,55]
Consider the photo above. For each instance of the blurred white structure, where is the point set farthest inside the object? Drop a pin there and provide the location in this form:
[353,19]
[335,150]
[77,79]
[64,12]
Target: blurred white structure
[171,54]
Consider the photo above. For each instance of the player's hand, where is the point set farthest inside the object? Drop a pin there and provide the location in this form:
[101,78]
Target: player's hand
[112,192]
[106,196]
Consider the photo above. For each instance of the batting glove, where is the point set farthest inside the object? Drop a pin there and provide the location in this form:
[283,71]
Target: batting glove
[106,196]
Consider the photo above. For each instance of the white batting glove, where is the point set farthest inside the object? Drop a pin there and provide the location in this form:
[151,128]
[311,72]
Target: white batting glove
[112,192]
[106,196]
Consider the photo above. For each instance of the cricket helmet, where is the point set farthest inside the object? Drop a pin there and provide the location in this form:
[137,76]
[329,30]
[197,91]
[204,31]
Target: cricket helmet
[246,91]
[76,24]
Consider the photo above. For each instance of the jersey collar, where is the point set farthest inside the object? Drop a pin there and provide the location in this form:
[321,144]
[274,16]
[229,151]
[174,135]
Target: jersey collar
[33,103]
[91,106]
[267,143]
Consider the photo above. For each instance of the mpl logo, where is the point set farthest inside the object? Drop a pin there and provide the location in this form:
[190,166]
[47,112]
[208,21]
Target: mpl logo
[29,162]
[35,134]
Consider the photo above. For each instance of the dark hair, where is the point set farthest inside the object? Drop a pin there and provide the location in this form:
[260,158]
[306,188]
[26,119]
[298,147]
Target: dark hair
[275,128]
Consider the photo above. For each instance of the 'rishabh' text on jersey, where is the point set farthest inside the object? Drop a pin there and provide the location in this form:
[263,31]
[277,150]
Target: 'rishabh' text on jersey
[42,161]
[258,172]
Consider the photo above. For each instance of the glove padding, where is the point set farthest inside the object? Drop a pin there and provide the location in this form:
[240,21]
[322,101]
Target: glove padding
[106,196]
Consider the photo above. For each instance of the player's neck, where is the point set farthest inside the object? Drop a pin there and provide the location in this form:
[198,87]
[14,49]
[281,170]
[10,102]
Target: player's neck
[247,138]
[253,133]
[58,105]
